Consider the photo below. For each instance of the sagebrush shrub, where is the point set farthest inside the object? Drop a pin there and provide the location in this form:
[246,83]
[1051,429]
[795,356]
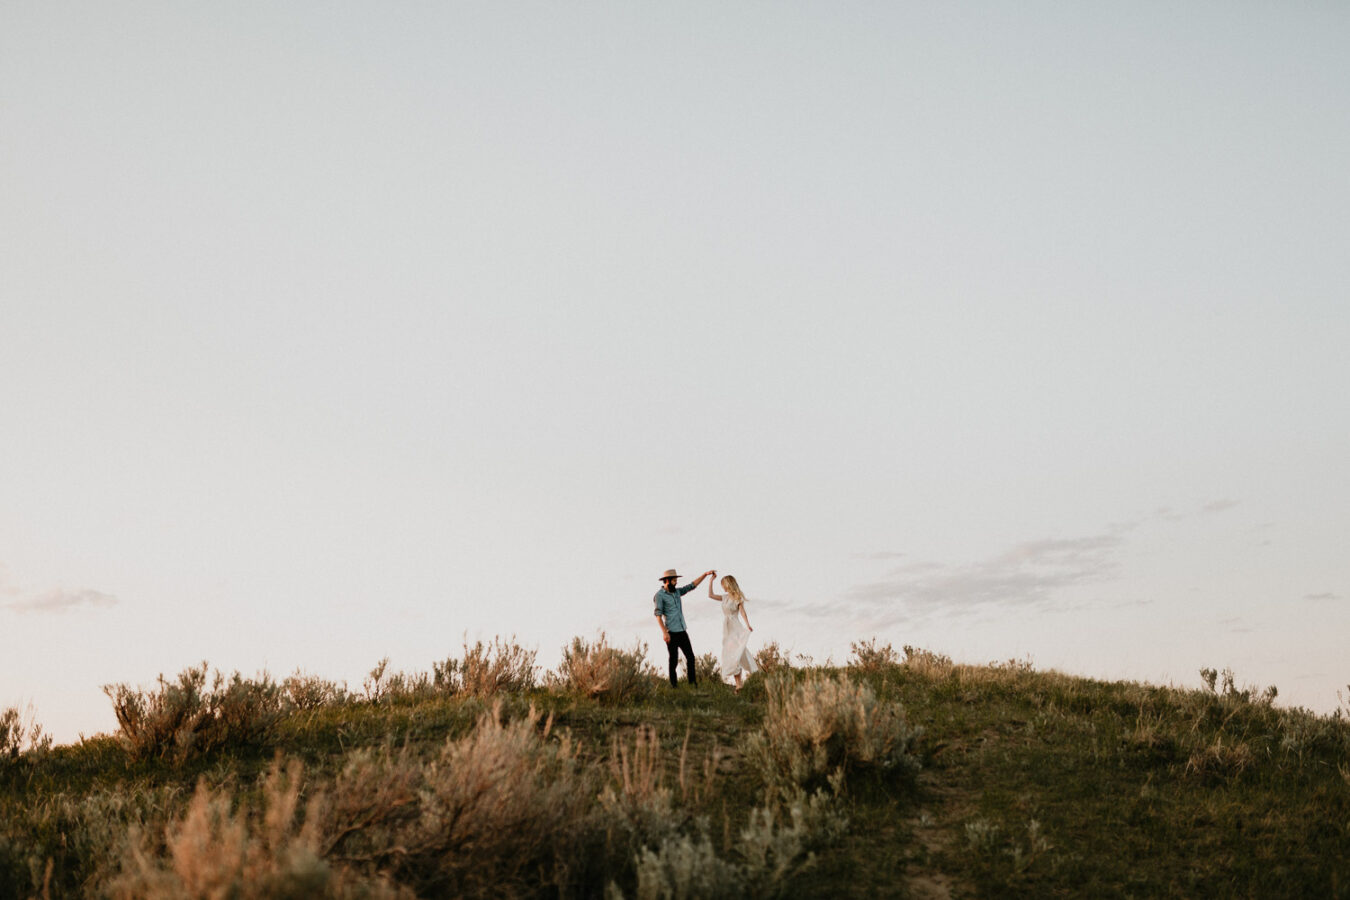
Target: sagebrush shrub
[383,686]
[772,658]
[185,718]
[868,657]
[684,866]
[20,733]
[775,844]
[487,669]
[926,662]
[822,725]
[709,666]
[216,851]
[605,672]
[372,802]
[304,691]
[1230,693]
[70,844]
[504,811]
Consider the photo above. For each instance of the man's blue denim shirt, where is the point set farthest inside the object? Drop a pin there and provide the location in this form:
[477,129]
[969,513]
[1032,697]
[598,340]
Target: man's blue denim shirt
[667,603]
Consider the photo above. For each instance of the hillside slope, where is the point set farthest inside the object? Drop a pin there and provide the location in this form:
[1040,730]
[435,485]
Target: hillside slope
[911,777]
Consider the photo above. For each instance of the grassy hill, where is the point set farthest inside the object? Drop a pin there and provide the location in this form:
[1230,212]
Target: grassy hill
[894,776]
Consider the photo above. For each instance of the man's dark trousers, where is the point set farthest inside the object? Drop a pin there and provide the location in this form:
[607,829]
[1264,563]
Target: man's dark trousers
[679,641]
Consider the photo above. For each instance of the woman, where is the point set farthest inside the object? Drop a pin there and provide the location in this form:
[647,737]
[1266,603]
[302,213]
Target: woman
[736,660]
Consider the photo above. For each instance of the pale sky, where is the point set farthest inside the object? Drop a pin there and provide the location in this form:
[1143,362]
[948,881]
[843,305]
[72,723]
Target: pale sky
[335,331]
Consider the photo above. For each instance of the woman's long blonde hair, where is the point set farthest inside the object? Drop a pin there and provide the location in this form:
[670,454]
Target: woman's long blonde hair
[731,587]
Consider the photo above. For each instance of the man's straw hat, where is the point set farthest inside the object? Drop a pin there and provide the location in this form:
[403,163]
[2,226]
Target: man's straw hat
[669,573]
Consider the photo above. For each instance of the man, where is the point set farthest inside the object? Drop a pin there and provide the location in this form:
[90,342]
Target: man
[670,616]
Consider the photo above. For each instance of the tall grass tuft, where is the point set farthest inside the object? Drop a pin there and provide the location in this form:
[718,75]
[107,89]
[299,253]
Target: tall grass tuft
[604,672]
[185,718]
[824,725]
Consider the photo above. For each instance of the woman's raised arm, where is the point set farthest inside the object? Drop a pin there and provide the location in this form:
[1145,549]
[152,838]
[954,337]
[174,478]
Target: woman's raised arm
[711,595]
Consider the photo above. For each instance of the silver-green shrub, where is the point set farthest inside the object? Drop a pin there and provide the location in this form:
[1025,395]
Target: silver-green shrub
[822,724]
[775,844]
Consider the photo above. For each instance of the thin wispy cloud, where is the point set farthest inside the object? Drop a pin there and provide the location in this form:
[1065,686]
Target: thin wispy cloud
[1026,575]
[1324,597]
[1235,625]
[63,600]
[882,555]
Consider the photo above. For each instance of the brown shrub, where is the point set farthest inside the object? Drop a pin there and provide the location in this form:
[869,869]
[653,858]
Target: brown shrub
[303,691]
[504,811]
[709,667]
[772,658]
[487,669]
[601,671]
[21,734]
[383,686]
[868,657]
[185,718]
[214,851]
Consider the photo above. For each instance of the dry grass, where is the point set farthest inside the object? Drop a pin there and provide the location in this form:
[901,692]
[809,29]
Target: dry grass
[638,795]
[1220,761]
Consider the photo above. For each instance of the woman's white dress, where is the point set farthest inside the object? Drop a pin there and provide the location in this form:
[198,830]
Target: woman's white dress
[736,656]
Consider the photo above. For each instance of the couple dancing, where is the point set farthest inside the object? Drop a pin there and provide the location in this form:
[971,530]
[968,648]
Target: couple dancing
[736,661]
